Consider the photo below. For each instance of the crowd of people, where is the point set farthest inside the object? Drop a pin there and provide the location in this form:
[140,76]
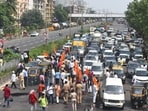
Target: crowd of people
[66,82]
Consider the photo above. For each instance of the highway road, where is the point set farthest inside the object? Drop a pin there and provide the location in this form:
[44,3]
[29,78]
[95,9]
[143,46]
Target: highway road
[21,96]
[27,43]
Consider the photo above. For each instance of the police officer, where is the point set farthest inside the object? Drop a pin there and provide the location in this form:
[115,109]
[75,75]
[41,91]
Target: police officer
[79,88]
[66,89]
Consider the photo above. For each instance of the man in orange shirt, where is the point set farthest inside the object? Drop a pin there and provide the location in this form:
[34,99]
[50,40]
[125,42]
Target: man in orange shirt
[41,88]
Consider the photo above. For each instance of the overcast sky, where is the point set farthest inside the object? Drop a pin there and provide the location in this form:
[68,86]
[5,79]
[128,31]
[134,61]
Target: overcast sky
[115,6]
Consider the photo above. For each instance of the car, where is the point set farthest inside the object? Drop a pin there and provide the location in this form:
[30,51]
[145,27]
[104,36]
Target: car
[131,66]
[113,93]
[34,34]
[98,70]
[90,58]
[119,71]
[87,65]
[107,53]
[141,75]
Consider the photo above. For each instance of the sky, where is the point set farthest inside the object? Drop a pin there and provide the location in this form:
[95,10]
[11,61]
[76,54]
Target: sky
[114,6]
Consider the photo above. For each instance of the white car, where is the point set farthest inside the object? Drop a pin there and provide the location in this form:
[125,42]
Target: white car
[34,34]
[141,75]
[90,58]
[98,70]
[87,65]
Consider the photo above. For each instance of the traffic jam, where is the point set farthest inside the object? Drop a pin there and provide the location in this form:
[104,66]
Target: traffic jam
[117,58]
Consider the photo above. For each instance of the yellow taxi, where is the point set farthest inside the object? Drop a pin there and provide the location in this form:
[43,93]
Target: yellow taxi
[119,71]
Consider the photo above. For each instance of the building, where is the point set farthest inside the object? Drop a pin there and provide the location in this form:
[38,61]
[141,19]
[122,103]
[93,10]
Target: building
[46,7]
[22,6]
[76,6]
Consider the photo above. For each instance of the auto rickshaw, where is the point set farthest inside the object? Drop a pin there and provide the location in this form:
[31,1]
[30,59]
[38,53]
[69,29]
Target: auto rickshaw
[138,95]
[34,75]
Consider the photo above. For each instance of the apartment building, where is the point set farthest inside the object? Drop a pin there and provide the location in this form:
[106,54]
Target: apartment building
[22,6]
[46,7]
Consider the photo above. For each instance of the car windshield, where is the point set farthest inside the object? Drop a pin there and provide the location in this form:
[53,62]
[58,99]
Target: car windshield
[96,68]
[124,56]
[132,65]
[90,58]
[110,58]
[32,64]
[88,64]
[108,53]
[114,89]
[124,52]
[141,73]
[92,53]
[137,90]
[118,71]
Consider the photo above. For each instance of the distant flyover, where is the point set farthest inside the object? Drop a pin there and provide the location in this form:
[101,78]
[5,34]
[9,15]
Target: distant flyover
[99,15]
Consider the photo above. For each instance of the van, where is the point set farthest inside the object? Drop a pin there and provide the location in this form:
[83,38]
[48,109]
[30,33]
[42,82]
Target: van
[113,94]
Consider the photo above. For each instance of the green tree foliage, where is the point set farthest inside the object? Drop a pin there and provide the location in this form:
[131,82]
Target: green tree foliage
[32,18]
[7,12]
[137,16]
[61,13]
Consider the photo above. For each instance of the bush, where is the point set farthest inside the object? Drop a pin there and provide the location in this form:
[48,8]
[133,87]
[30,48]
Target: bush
[9,55]
[46,48]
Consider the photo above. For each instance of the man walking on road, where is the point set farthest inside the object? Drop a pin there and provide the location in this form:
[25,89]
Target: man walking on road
[33,100]
[21,80]
[13,79]
[7,94]
[43,101]
[25,77]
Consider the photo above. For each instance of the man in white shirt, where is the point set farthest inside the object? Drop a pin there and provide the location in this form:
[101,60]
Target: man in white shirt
[13,80]
[50,93]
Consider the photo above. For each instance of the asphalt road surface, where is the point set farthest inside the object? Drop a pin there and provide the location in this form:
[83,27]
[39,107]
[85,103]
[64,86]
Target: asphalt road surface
[27,43]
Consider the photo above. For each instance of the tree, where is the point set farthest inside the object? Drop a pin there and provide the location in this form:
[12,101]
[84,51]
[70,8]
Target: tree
[32,18]
[136,16]
[7,12]
[61,13]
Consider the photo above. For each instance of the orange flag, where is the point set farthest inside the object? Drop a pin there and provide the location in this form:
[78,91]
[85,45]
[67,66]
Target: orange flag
[80,76]
[87,71]
[94,80]
[62,56]
[46,54]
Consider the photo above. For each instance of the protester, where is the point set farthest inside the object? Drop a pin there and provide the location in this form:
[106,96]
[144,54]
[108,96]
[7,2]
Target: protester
[57,92]
[74,100]
[41,88]
[50,93]
[7,95]
[25,77]
[33,100]
[13,80]
[43,102]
